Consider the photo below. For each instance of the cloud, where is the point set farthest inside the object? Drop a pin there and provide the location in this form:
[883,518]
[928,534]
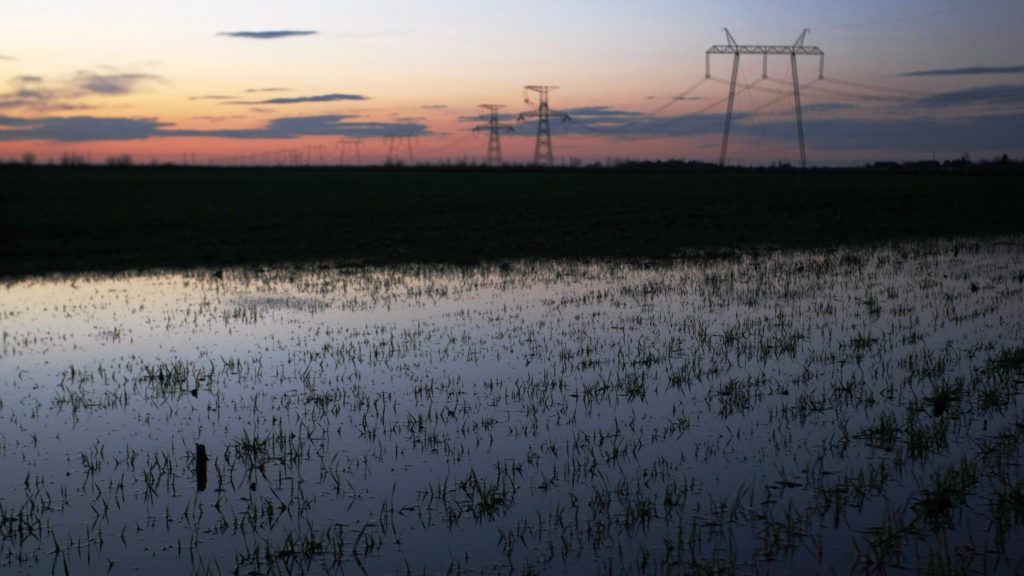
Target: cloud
[271,89]
[918,134]
[267,34]
[16,122]
[817,108]
[326,125]
[216,119]
[970,71]
[65,107]
[922,135]
[303,99]
[210,97]
[29,92]
[627,124]
[42,95]
[679,98]
[614,123]
[434,107]
[112,84]
[79,129]
[28,95]
[319,98]
[998,95]
[502,117]
[91,128]
[824,130]
[826,107]
[601,112]
[5,57]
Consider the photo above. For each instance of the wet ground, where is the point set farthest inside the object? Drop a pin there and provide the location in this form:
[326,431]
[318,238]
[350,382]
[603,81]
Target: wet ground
[837,410]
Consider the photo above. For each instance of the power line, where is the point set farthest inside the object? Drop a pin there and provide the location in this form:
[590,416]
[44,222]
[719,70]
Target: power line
[543,152]
[393,156]
[343,146]
[798,48]
[875,88]
[644,117]
[447,146]
[858,96]
[494,128]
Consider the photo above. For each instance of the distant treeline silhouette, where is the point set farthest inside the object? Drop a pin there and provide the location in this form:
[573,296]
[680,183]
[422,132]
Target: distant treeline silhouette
[119,218]
[1001,163]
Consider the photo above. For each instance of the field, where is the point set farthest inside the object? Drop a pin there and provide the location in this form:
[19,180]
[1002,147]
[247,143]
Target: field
[791,410]
[317,372]
[112,219]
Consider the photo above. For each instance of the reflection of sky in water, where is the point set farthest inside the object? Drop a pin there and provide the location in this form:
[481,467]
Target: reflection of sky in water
[587,388]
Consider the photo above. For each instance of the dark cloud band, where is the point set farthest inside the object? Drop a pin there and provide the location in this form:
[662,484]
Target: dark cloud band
[996,133]
[113,84]
[923,134]
[1000,95]
[79,128]
[300,99]
[970,71]
[91,128]
[39,94]
[318,98]
[267,34]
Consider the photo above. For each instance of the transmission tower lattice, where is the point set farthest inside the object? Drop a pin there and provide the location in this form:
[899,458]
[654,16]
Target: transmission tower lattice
[314,155]
[543,153]
[792,50]
[393,157]
[343,146]
[494,128]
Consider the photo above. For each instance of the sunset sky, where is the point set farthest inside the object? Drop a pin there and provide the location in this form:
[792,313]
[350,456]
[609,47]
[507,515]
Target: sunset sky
[216,80]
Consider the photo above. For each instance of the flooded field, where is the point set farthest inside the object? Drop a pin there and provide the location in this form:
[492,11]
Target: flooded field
[850,410]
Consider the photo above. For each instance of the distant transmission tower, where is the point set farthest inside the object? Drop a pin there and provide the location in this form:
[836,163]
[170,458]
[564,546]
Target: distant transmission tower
[543,153]
[343,146]
[494,128]
[796,49]
[314,155]
[392,155]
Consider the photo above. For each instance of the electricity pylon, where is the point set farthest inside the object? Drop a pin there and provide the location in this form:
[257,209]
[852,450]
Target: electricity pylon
[543,153]
[494,128]
[792,50]
[392,156]
[343,147]
[314,155]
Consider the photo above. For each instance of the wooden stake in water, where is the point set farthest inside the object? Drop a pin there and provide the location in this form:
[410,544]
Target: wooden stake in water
[201,461]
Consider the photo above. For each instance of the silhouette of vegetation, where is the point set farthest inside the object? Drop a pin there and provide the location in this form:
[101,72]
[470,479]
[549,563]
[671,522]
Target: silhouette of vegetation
[75,218]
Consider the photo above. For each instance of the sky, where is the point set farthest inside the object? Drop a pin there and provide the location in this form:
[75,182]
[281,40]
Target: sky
[231,81]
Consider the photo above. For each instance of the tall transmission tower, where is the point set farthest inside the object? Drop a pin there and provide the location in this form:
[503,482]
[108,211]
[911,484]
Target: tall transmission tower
[494,128]
[393,156]
[314,155]
[343,146]
[543,153]
[792,50]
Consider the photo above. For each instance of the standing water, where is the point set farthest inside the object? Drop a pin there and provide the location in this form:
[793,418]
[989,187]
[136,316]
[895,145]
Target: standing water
[822,411]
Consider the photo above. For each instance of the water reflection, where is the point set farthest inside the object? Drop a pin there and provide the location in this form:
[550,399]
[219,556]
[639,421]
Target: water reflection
[857,407]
